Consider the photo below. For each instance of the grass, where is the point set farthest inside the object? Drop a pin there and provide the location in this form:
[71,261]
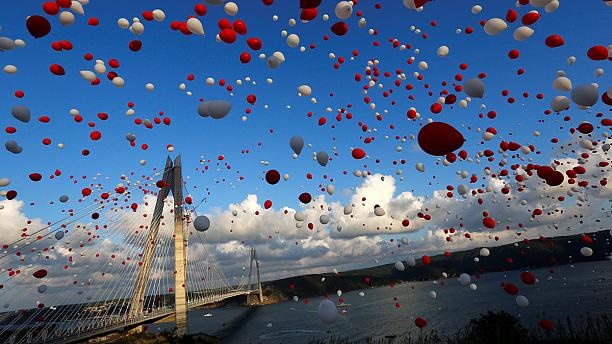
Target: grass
[502,328]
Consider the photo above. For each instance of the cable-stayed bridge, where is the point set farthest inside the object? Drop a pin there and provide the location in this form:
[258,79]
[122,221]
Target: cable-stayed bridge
[115,265]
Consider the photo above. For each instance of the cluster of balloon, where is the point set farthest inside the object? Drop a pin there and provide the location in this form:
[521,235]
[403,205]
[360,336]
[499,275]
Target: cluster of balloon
[201,223]
[215,109]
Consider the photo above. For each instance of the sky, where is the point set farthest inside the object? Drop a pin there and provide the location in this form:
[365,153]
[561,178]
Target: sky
[221,176]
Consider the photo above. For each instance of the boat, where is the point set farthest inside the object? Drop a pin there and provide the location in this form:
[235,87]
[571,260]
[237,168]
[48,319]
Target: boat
[208,315]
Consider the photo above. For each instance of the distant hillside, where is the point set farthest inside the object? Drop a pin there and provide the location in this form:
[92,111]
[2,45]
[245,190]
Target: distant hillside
[527,254]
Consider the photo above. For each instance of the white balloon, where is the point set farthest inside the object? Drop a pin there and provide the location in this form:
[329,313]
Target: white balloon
[118,81]
[522,301]
[473,286]
[586,251]
[123,23]
[324,219]
[77,7]
[88,75]
[485,252]
[522,33]
[410,260]
[552,6]
[293,40]
[539,3]
[330,189]
[443,51]
[10,69]
[231,8]
[159,15]
[343,9]
[476,9]
[348,209]
[298,216]
[305,90]
[137,28]
[328,312]
[495,26]
[195,26]
[420,167]
[399,266]
[562,84]
[433,294]
[464,279]
[4,182]
[66,18]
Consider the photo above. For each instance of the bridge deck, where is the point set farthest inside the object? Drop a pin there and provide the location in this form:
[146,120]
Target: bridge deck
[118,323]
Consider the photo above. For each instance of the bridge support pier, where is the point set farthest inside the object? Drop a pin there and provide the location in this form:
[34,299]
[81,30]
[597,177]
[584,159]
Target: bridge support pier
[174,183]
[259,291]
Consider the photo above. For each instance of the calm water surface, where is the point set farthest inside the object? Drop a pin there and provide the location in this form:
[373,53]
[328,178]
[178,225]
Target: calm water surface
[568,291]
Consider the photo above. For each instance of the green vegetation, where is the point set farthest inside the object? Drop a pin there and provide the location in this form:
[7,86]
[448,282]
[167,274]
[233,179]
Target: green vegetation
[501,328]
[527,254]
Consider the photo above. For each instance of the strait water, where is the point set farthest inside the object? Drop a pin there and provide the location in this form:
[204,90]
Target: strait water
[567,291]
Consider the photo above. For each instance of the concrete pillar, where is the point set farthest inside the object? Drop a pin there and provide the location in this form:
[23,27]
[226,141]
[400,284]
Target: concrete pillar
[180,280]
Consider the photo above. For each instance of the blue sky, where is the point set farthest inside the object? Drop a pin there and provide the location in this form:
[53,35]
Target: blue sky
[168,57]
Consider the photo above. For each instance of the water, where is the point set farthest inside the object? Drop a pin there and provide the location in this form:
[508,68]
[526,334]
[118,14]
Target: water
[571,292]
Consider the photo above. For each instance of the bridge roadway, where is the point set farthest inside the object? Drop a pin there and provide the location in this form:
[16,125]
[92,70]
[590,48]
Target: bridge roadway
[118,322]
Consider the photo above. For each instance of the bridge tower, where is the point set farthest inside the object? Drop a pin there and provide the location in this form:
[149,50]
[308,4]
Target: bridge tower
[174,183]
[259,291]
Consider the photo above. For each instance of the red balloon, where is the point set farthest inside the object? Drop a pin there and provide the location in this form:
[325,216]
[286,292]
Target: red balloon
[511,16]
[546,324]
[340,28]
[585,128]
[64,3]
[224,24]
[439,138]
[426,260]
[598,52]
[38,26]
[554,41]
[254,43]
[245,57]
[511,289]
[488,222]
[135,45]
[11,194]
[251,99]
[420,322]
[267,204]
[272,177]
[40,273]
[309,3]
[57,69]
[358,153]
[305,198]
[86,192]
[95,135]
[35,177]
[228,36]
[528,278]
[530,17]
[200,9]
[51,8]
[308,13]
[240,27]
[436,108]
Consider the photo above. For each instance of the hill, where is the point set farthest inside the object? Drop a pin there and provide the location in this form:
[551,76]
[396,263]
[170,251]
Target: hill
[526,254]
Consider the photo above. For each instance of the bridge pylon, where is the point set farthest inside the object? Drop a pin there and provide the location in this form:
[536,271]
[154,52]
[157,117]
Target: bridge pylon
[173,183]
[259,290]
